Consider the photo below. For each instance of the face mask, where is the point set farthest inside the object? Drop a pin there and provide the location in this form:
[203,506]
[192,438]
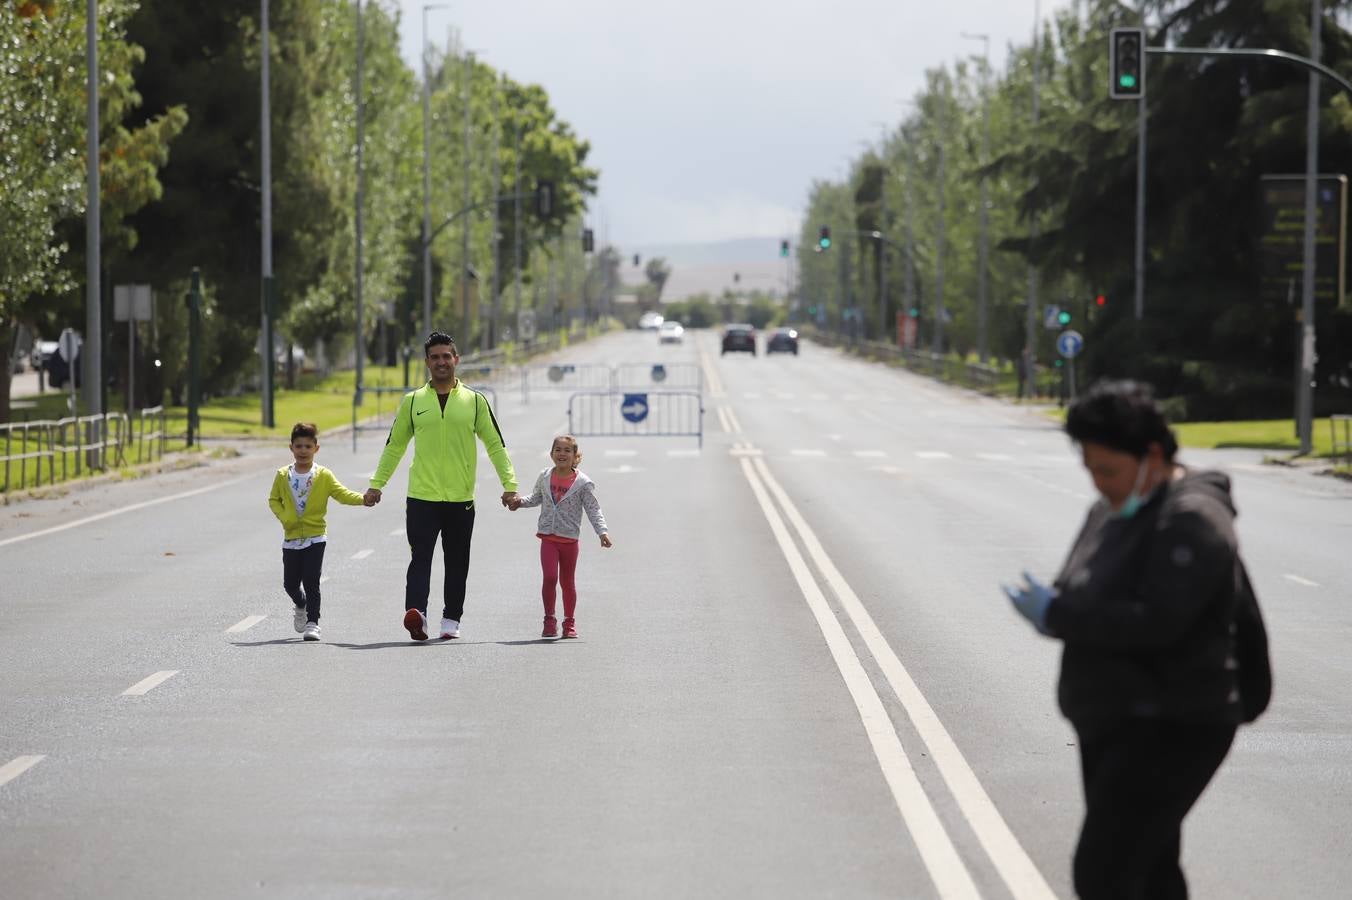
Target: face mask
[1132,505]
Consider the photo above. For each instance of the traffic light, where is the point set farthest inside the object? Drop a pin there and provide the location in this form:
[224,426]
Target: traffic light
[544,199]
[1063,317]
[812,310]
[824,238]
[588,241]
[1127,65]
[914,312]
[1100,301]
[636,260]
[784,248]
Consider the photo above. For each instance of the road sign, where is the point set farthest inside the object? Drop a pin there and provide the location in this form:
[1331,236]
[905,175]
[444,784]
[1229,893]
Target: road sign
[635,407]
[1069,344]
[659,373]
[525,324]
[1051,317]
[68,344]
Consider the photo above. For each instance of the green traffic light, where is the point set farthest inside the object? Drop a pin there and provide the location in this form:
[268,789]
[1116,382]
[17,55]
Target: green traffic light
[915,312]
[825,243]
[1064,318]
[1126,80]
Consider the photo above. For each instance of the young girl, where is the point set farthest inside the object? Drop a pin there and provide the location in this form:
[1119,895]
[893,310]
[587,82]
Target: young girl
[299,499]
[563,494]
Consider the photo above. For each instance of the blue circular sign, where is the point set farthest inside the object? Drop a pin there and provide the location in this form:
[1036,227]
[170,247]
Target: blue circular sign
[1069,344]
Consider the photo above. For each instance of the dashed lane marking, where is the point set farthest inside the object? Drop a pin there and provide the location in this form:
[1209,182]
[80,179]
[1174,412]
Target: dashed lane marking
[816,454]
[244,624]
[1304,582]
[17,766]
[933,454]
[149,683]
[870,454]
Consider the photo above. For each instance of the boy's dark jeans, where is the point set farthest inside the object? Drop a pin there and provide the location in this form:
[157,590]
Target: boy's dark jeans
[454,522]
[302,568]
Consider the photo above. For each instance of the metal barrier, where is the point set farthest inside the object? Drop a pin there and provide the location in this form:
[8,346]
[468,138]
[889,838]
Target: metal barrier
[155,438]
[564,377]
[637,414]
[31,440]
[1342,444]
[92,440]
[382,420]
[658,376]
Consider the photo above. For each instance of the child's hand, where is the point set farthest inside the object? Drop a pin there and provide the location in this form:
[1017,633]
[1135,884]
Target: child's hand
[605,541]
[514,504]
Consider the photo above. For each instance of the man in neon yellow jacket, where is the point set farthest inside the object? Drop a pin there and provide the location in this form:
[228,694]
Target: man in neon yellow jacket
[442,418]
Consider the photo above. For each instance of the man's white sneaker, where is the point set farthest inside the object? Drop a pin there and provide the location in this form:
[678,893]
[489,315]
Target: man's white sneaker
[311,631]
[299,619]
[450,628]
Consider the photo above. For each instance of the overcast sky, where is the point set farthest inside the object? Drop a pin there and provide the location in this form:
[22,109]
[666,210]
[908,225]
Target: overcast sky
[709,119]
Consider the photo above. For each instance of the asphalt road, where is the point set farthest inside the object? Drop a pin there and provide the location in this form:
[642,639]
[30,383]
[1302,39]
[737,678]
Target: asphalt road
[796,675]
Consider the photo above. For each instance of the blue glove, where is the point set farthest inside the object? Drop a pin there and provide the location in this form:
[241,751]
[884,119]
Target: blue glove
[1032,601]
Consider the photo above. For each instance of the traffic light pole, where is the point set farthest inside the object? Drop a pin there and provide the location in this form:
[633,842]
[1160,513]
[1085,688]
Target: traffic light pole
[1141,117]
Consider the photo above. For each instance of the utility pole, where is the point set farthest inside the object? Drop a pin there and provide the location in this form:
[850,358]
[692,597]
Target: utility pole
[361,192]
[516,241]
[495,324]
[464,166]
[1030,312]
[1305,395]
[93,342]
[938,345]
[983,262]
[1140,182]
[427,176]
[265,143]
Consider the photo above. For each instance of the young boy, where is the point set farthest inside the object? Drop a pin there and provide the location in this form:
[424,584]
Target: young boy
[299,500]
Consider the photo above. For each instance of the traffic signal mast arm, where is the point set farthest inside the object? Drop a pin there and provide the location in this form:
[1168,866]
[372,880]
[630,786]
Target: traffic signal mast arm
[1280,55]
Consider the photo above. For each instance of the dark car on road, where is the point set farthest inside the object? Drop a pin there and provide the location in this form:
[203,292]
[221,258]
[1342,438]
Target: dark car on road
[782,340]
[739,337]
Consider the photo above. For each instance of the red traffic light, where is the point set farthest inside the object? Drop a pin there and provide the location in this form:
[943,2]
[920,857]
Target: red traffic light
[1101,300]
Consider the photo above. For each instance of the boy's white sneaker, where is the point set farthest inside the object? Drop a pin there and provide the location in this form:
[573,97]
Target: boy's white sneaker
[299,619]
[311,631]
[450,628]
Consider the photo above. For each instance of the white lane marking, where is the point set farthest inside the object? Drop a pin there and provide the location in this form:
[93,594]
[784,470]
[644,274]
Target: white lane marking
[945,867]
[1302,581]
[813,453]
[362,554]
[149,683]
[397,532]
[933,454]
[611,451]
[711,375]
[244,624]
[126,509]
[723,420]
[625,469]
[745,451]
[683,454]
[995,457]
[870,454]
[17,766]
[1010,859]
[734,421]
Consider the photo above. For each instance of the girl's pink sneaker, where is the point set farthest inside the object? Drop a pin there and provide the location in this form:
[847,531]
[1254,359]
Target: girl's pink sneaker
[569,628]
[551,627]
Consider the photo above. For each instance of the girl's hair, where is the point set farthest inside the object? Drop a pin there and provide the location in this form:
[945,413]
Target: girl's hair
[568,439]
[1123,416]
[306,430]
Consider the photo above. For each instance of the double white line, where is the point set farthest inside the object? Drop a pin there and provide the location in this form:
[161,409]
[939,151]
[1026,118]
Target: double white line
[946,868]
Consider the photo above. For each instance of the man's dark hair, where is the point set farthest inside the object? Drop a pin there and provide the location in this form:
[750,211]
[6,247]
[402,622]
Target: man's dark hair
[1123,416]
[439,337]
[306,430]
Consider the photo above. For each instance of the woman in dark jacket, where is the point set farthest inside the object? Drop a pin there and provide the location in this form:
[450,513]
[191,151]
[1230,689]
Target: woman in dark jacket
[1147,605]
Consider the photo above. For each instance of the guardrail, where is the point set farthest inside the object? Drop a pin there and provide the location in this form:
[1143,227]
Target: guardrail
[637,414]
[1341,428]
[564,377]
[77,443]
[659,376]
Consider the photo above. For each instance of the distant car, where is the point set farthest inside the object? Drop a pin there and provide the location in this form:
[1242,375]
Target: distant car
[650,321]
[782,340]
[739,337]
[670,333]
[41,352]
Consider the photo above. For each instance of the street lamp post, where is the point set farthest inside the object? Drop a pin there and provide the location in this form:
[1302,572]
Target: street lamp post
[265,145]
[93,343]
[983,262]
[427,175]
[1030,311]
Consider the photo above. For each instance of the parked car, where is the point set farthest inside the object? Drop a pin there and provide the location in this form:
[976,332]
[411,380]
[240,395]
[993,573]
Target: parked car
[782,340]
[650,321]
[739,337]
[41,352]
[670,333]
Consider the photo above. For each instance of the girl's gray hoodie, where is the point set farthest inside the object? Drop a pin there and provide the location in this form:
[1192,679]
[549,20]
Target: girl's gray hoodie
[565,518]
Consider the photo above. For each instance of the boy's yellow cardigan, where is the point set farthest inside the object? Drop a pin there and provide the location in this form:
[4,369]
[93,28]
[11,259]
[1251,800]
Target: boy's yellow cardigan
[311,524]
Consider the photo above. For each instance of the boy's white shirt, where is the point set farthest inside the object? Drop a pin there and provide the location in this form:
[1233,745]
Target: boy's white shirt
[301,543]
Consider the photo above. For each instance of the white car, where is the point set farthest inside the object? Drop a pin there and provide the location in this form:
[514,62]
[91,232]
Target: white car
[670,333]
[650,321]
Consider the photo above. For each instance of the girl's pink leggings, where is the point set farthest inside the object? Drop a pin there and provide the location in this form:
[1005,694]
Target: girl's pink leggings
[559,562]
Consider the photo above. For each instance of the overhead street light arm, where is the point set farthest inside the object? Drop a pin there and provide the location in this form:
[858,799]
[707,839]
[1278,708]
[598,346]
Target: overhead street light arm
[1280,55]
[455,216]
